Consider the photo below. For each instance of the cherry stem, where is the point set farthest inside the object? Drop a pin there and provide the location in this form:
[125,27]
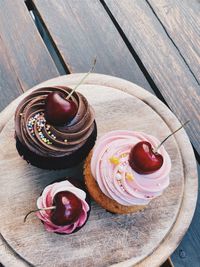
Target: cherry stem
[156,149]
[84,77]
[48,208]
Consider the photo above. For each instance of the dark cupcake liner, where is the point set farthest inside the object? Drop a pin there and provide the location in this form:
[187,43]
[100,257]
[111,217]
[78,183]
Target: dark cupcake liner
[80,185]
[56,163]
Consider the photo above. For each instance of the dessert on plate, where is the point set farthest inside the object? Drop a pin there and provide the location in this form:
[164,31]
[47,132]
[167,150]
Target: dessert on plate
[54,127]
[126,170]
[63,207]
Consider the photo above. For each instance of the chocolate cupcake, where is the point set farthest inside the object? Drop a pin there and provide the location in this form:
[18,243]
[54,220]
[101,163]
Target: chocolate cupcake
[50,135]
[63,207]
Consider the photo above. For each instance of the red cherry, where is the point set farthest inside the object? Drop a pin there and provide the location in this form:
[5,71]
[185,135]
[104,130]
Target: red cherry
[59,111]
[68,208]
[143,159]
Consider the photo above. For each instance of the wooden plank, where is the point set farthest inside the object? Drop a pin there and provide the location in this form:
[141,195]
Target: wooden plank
[10,87]
[187,254]
[82,30]
[162,61]
[25,60]
[181,20]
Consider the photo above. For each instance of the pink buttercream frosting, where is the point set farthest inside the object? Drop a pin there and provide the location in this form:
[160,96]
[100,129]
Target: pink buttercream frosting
[46,200]
[115,177]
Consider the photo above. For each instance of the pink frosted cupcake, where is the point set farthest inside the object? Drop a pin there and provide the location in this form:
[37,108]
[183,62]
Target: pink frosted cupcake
[122,175]
[64,208]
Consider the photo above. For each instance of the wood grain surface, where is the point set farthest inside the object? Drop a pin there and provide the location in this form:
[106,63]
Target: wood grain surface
[25,60]
[9,88]
[81,30]
[106,239]
[187,254]
[181,20]
[162,60]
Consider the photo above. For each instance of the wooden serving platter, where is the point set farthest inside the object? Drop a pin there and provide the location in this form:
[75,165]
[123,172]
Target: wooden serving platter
[145,238]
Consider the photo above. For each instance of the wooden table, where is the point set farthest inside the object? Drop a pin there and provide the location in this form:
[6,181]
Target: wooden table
[153,43]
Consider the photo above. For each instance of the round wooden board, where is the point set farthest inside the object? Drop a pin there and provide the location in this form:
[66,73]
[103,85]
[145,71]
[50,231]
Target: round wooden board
[141,239]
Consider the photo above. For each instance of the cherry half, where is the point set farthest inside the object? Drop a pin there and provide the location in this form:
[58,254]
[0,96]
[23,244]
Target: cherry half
[58,110]
[68,208]
[143,159]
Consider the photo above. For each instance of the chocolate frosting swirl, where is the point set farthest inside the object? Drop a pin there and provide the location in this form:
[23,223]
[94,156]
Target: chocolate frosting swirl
[48,140]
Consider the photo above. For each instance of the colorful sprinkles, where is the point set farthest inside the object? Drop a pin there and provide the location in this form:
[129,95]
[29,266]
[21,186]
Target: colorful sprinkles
[47,127]
[114,160]
[124,155]
[40,122]
[118,176]
[44,139]
[121,168]
[129,176]
[30,125]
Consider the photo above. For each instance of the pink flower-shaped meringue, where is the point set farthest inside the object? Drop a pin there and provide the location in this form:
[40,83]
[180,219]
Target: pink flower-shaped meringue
[46,200]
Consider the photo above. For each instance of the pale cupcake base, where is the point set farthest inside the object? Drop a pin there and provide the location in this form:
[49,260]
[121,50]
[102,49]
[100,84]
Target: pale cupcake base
[104,201]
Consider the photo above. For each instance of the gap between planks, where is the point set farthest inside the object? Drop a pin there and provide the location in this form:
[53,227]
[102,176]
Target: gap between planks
[62,67]
[133,52]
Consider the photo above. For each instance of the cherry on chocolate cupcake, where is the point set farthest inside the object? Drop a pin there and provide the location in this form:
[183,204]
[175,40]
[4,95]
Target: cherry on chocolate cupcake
[58,110]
